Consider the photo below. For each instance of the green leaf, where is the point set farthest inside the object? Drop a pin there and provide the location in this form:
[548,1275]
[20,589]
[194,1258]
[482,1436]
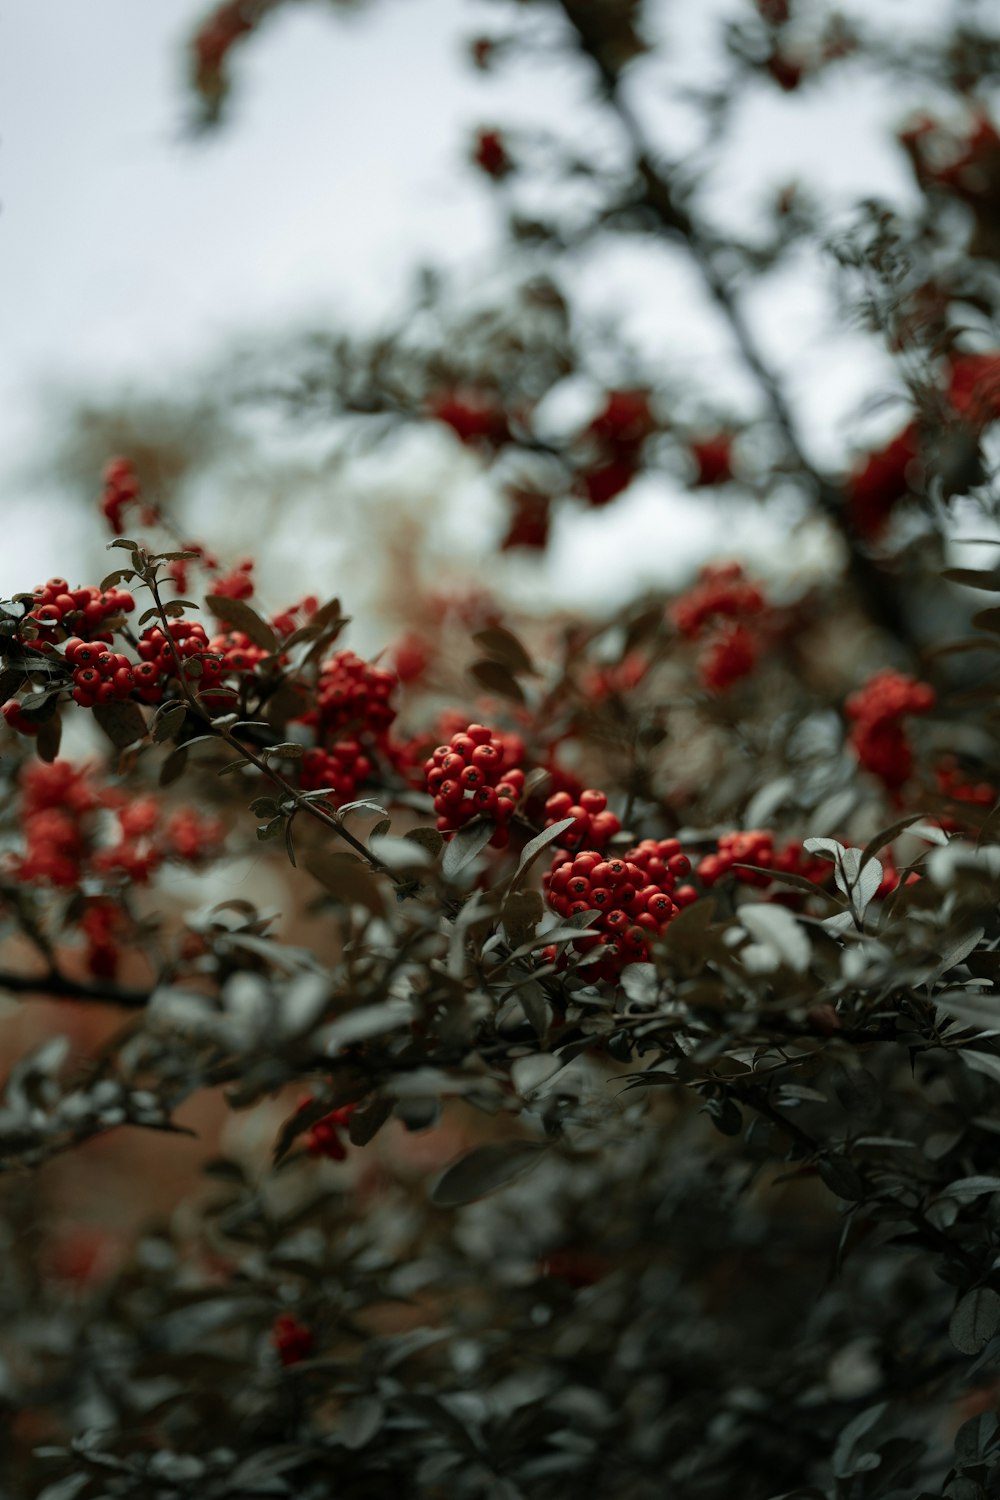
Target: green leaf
[522,911]
[368,1119]
[238,614]
[428,838]
[541,841]
[969,1188]
[123,723]
[168,721]
[403,855]
[234,765]
[970,1008]
[485,1170]
[975,1320]
[264,807]
[982,1062]
[48,739]
[888,836]
[959,951]
[466,843]
[32,703]
[972,578]
[496,678]
[365,806]
[173,767]
[988,619]
[841,1177]
[111,580]
[504,647]
[344,877]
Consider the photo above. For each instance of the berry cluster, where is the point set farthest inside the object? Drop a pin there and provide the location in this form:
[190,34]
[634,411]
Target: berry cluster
[614,439]
[78,831]
[101,925]
[878,737]
[974,388]
[99,675]
[237,583]
[324,1138]
[624,422]
[716,610]
[476,417]
[15,718]
[292,1339]
[236,652]
[891,878]
[953,784]
[353,695]
[774,12]
[474,776]
[877,485]
[713,460]
[121,489]
[593,824]
[411,656]
[295,616]
[490,154]
[340,770]
[68,836]
[190,837]
[965,165]
[212,43]
[730,654]
[756,847]
[179,568]
[529,521]
[187,642]
[86,611]
[787,71]
[617,680]
[637,896]
[721,593]
[352,700]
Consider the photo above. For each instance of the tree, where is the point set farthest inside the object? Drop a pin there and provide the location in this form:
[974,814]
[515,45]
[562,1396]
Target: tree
[622,1075]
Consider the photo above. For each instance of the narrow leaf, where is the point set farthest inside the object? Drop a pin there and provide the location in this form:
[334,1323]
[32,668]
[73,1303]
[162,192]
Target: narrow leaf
[484,1170]
[238,614]
[465,844]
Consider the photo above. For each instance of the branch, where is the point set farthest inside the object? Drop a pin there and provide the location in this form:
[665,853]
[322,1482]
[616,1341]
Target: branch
[56,986]
[871,584]
[300,801]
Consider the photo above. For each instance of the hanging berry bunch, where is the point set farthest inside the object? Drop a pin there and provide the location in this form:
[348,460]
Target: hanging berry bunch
[717,611]
[593,823]
[755,846]
[636,895]
[878,736]
[472,777]
[88,613]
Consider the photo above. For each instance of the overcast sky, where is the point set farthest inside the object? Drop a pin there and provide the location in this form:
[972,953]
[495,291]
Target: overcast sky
[129,251]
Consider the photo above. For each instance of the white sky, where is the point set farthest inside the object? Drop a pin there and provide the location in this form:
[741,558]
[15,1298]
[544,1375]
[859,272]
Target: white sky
[129,253]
